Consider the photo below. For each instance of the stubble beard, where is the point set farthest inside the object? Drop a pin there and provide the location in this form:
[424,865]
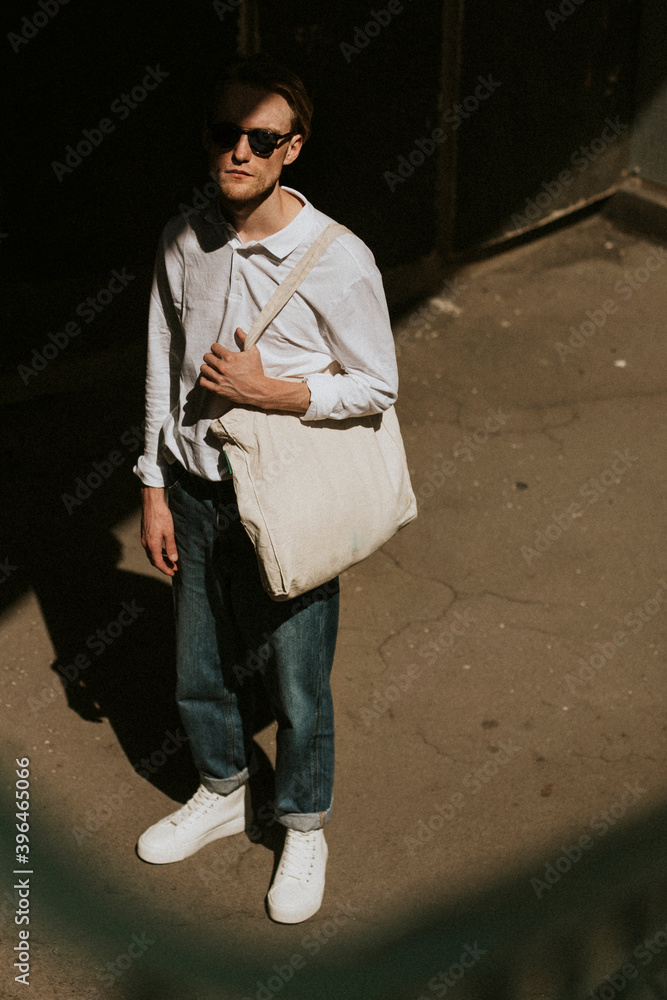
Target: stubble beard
[250,198]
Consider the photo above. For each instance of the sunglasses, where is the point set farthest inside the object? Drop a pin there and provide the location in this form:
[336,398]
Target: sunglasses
[262,141]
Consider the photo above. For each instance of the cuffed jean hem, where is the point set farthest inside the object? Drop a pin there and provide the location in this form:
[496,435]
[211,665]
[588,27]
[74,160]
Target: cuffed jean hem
[223,786]
[304,821]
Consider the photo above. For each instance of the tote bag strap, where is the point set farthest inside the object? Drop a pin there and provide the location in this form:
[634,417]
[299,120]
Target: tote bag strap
[289,285]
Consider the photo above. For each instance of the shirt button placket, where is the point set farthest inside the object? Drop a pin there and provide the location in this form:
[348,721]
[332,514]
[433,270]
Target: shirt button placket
[236,277]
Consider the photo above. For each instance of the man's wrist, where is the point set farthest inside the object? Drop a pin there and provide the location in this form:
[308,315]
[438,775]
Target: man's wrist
[284,394]
[266,393]
[152,494]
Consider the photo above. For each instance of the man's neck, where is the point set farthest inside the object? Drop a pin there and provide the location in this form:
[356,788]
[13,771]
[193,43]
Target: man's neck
[257,220]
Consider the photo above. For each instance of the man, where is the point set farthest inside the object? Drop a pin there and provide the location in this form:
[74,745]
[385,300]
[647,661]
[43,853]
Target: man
[214,272]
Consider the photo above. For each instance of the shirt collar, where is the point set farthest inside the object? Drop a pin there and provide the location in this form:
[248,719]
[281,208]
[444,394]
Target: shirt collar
[279,244]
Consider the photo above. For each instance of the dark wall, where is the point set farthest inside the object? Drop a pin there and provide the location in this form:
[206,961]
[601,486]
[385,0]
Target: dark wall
[374,93]
[69,76]
[382,83]
[649,144]
[70,219]
[66,80]
[565,68]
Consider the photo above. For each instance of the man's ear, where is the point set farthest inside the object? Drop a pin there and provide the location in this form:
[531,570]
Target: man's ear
[207,138]
[293,150]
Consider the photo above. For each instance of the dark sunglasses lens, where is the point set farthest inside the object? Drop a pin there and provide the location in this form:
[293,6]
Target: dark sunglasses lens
[262,142]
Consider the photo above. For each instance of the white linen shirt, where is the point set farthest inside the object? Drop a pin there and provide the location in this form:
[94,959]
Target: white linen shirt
[207,282]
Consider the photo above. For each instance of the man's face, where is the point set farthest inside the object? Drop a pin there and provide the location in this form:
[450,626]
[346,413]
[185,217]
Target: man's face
[244,177]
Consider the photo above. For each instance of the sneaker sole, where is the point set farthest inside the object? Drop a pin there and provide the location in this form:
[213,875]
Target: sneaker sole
[294,916]
[154,857]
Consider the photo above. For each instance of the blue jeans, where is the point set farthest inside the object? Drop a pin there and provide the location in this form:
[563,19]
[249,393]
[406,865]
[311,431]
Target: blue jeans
[227,630]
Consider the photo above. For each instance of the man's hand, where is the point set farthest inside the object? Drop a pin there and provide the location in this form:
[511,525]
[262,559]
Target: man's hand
[239,376]
[157,530]
[236,375]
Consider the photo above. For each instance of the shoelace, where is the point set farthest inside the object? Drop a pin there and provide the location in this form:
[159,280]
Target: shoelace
[200,802]
[298,855]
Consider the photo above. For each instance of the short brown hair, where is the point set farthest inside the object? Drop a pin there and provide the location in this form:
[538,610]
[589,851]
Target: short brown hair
[265,73]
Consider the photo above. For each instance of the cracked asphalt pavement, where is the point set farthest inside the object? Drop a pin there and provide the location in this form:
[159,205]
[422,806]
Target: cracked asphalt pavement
[499,674]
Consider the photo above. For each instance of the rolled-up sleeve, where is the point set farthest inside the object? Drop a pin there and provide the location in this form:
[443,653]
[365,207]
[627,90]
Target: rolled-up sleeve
[358,333]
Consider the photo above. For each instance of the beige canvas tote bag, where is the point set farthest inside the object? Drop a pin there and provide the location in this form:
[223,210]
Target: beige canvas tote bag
[317,497]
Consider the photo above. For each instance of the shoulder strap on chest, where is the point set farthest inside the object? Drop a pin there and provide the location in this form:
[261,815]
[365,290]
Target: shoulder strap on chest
[289,285]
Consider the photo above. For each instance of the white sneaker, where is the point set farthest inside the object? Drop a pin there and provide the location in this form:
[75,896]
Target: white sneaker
[298,887]
[205,817]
